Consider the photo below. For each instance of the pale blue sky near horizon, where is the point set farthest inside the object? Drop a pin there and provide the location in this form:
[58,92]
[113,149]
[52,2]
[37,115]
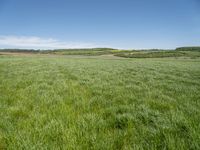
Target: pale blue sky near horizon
[127,24]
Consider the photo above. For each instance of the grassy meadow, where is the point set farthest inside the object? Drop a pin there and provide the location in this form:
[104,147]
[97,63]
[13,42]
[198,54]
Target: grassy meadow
[96,103]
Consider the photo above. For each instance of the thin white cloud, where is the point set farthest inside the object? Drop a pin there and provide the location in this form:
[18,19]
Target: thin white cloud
[33,42]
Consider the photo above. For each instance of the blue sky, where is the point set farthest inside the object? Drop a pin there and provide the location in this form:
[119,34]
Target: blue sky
[127,24]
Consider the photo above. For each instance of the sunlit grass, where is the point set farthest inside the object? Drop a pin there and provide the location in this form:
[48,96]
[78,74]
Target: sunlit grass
[68,103]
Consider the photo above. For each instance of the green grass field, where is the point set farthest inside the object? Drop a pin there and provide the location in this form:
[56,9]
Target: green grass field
[159,54]
[90,103]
